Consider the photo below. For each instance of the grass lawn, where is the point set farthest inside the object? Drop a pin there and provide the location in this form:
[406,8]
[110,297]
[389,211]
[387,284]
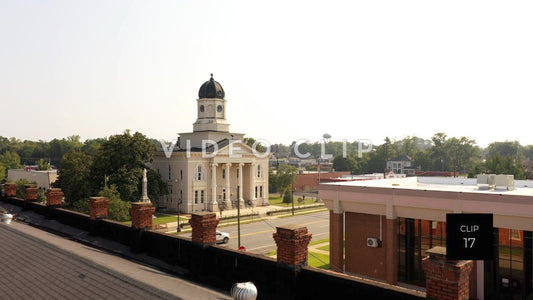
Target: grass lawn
[317,260]
[318,241]
[325,248]
[163,218]
[277,200]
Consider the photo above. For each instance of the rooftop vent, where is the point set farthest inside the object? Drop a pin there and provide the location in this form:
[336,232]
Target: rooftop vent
[497,182]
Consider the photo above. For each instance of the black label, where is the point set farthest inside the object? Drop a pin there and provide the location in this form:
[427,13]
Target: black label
[469,236]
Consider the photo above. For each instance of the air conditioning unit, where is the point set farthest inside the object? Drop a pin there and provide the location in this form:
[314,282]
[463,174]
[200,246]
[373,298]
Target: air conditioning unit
[372,242]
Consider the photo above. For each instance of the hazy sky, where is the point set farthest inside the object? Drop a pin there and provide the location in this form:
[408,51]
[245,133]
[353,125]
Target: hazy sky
[291,70]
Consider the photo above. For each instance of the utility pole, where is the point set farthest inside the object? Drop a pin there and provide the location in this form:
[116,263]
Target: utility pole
[292,192]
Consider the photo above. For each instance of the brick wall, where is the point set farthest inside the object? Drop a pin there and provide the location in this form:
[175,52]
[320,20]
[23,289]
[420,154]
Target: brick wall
[361,259]
[221,267]
[31,193]
[54,197]
[445,279]
[10,189]
[141,215]
[292,242]
[98,207]
[336,245]
[204,227]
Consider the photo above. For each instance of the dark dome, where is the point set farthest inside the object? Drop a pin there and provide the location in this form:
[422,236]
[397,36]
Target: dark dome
[211,89]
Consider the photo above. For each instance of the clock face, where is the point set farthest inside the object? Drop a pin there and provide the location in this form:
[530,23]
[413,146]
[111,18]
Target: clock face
[219,108]
[201,108]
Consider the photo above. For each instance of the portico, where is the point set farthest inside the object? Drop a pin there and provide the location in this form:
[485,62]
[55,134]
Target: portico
[211,168]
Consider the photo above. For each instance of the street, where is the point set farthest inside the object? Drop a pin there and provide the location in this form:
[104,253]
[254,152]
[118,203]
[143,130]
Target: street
[257,236]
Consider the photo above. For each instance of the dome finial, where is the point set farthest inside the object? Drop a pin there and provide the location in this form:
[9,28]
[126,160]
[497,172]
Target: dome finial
[211,89]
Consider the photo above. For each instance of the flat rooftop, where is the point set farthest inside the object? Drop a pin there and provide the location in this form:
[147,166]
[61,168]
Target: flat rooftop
[449,184]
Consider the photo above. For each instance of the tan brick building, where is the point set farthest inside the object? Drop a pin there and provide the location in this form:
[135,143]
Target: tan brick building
[388,225]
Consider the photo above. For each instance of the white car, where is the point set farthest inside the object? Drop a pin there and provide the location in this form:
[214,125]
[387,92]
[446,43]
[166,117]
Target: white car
[222,237]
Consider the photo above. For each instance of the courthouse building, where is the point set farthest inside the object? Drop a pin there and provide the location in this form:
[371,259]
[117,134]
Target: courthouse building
[210,168]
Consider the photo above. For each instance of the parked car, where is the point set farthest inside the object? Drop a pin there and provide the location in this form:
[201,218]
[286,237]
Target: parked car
[222,237]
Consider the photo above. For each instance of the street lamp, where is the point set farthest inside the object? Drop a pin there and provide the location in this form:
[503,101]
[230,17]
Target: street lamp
[292,192]
[179,202]
[238,213]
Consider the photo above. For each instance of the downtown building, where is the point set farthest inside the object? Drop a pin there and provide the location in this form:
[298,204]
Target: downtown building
[211,168]
[388,227]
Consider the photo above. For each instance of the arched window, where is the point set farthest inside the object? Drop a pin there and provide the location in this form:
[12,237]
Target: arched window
[195,197]
[199,173]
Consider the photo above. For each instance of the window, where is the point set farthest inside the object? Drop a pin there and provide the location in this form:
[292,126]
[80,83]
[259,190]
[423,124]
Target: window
[261,192]
[169,172]
[255,192]
[199,173]
[258,170]
[195,197]
[224,194]
[515,234]
[181,174]
[237,173]
[202,196]
[223,173]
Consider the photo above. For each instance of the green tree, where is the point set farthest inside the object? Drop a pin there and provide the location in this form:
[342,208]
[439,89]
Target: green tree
[250,142]
[157,187]
[287,197]
[499,164]
[528,152]
[286,176]
[272,181]
[507,148]
[42,165]
[118,209]
[11,160]
[21,187]
[74,176]
[345,164]
[3,172]
[92,146]
[58,147]
[120,161]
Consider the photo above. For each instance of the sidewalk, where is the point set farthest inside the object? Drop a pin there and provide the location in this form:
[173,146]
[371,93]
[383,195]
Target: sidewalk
[261,211]
[125,263]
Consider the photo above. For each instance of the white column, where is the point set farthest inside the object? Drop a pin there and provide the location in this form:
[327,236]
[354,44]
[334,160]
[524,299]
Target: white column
[214,184]
[228,187]
[241,200]
[252,182]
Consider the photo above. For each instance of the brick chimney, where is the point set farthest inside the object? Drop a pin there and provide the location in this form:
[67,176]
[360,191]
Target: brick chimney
[31,193]
[141,215]
[204,227]
[10,189]
[292,242]
[98,207]
[446,279]
[54,197]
